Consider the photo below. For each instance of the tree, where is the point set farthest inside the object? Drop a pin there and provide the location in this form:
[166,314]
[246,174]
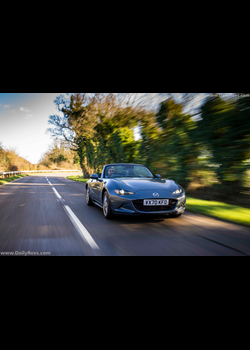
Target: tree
[178,143]
[225,128]
[77,122]
[59,155]
[150,141]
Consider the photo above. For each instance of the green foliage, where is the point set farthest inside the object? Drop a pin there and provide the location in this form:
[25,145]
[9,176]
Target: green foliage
[178,140]
[77,178]
[168,142]
[225,128]
[123,146]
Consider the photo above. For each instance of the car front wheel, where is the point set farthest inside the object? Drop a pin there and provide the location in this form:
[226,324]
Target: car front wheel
[107,211]
[88,197]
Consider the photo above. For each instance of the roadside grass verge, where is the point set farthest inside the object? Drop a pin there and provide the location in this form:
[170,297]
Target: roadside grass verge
[10,179]
[219,210]
[77,178]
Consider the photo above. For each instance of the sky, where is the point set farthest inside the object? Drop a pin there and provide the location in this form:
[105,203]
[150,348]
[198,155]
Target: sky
[24,121]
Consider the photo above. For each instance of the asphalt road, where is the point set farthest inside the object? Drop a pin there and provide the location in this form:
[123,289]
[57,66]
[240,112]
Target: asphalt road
[48,215]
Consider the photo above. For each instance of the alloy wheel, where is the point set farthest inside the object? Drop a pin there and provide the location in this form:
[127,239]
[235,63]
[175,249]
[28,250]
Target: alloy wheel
[105,205]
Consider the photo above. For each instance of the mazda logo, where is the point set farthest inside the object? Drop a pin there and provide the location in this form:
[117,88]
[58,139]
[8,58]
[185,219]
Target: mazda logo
[156,194]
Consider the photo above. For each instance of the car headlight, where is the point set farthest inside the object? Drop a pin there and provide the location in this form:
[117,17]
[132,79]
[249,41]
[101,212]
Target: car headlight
[123,192]
[179,191]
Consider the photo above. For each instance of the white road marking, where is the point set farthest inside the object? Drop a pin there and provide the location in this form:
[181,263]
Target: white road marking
[56,193]
[77,223]
[48,181]
[85,234]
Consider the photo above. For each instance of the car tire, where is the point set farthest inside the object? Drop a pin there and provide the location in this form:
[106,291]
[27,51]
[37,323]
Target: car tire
[107,211]
[88,197]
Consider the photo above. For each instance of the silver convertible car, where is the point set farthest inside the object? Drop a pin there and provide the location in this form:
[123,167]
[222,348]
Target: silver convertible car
[132,189]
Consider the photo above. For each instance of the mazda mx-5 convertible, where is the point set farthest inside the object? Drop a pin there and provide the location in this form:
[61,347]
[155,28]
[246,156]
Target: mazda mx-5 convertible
[132,189]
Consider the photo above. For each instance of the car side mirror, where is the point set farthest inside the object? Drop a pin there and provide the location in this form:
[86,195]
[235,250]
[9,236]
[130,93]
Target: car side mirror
[94,177]
[158,176]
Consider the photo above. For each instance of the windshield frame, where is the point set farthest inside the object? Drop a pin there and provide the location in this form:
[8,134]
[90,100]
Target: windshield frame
[105,176]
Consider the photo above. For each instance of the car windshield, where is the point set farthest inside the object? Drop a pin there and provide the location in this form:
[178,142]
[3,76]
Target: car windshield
[135,171]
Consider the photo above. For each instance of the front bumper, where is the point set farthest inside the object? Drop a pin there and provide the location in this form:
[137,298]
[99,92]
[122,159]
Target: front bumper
[134,206]
[124,211]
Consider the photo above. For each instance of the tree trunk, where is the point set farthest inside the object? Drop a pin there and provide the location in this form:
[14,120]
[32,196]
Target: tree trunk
[84,172]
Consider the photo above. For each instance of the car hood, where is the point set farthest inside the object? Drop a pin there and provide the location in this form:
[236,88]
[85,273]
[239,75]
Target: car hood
[135,185]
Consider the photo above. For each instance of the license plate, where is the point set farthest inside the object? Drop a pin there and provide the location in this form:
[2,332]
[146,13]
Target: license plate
[153,202]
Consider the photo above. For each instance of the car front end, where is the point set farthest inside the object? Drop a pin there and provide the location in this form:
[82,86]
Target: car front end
[148,202]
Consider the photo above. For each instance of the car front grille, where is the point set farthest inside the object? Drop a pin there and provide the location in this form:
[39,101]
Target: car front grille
[138,204]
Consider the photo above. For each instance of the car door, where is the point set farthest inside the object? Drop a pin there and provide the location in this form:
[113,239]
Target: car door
[97,189]
[92,186]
